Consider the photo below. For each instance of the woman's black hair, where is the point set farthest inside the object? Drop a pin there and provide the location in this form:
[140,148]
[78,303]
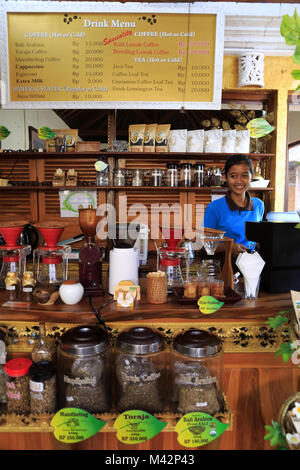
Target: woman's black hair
[237,160]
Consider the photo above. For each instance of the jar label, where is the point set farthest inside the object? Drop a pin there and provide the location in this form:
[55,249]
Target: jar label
[135,426]
[36,386]
[27,289]
[75,425]
[79,381]
[11,288]
[198,429]
[13,396]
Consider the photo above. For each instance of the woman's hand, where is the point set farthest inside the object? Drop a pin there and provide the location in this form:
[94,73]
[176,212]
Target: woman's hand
[238,248]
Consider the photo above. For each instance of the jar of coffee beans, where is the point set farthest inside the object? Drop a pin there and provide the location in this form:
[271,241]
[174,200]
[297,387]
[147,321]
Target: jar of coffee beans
[197,369]
[17,385]
[140,370]
[84,369]
[42,387]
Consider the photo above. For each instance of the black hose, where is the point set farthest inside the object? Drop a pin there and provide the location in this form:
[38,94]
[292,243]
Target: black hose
[97,312]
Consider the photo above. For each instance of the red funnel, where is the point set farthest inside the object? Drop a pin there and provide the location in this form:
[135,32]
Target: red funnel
[172,236]
[51,235]
[11,235]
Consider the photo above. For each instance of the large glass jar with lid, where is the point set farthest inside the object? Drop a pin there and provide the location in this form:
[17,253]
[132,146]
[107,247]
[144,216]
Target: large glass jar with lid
[140,368]
[197,372]
[83,369]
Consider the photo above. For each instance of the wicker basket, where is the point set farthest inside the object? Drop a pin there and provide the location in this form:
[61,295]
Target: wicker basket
[157,288]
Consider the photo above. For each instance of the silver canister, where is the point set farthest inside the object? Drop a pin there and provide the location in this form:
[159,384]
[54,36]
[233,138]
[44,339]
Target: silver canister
[156,177]
[199,174]
[137,177]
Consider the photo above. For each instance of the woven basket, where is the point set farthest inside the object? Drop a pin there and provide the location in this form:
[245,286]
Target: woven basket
[156,289]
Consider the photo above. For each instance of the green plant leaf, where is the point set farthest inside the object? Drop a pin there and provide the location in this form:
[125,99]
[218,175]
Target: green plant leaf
[259,127]
[296,74]
[275,435]
[275,322]
[285,350]
[297,226]
[4,132]
[290,30]
[296,55]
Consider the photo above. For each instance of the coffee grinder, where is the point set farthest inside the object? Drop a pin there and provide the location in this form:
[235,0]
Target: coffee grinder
[13,254]
[90,255]
[50,262]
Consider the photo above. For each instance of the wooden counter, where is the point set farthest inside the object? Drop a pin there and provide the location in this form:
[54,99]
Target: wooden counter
[256,383]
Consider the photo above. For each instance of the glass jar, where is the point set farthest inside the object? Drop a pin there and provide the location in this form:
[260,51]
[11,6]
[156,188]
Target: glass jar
[170,264]
[197,372]
[102,173]
[42,386]
[156,177]
[44,349]
[186,175]
[140,370]
[216,176]
[83,365]
[28,283]
[119,176]
[199,174]
[2,370]
[208,177]
[137,177]
[210,278]
[17,385]
[172,174]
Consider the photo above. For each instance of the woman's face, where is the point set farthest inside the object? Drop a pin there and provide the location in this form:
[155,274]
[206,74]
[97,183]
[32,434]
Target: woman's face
[238,179]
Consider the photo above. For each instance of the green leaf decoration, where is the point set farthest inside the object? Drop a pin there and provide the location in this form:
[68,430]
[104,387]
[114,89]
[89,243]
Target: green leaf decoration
[285,350]
[100,165]
[4,132]
[275,435]
[197,429]
[259,127]
[276,322]
[208,304]
[297,226]
[45,133]
[75,425]
[290,29]
[295,74]
[136,426]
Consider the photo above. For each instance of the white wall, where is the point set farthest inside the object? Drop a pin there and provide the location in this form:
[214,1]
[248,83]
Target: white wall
[17,122]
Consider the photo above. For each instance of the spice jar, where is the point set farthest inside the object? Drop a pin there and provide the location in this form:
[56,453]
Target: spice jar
[156,177]
[197,372]
[44,349]
[140,370]
[83,364]
[186,175]
[12,283]
[137,177]
[172,174]
[2,370]
[119,176]
[42,386]
[199,174]
[28,283]
[17,385]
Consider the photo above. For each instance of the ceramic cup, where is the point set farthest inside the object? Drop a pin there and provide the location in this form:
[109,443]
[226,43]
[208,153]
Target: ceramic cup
[71,292]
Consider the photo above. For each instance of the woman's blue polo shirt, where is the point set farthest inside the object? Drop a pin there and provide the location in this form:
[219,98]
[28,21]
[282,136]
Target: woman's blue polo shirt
[224,214]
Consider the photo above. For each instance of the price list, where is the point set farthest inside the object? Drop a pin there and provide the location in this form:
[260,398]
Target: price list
[111,58]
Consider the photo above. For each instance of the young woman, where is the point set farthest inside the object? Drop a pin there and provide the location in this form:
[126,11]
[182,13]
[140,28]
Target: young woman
[230,212]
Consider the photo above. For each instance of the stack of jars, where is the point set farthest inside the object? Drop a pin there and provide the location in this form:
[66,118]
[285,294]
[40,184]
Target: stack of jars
[148,375]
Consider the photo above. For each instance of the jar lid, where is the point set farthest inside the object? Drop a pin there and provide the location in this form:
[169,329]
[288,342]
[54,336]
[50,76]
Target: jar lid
[169,262]
[197,343]
[17,367]
[186,165]
[41,371]
[172,166]
[201,166]
[84,340]
[140,340]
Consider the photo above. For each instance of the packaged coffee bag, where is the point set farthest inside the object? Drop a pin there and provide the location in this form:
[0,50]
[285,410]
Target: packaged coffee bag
[149,137]
[162,137]
[136,137]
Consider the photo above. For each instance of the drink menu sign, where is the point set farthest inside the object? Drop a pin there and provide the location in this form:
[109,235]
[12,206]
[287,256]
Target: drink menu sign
[155,56]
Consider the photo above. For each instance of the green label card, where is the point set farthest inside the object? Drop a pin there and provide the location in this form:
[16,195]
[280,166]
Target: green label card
[74,425]
[197,429]
[136,426]
[208,304]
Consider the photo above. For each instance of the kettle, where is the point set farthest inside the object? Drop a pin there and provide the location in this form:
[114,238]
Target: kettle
[29,236]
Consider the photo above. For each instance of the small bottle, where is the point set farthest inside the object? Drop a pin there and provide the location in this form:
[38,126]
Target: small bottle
[44,349]
[28,284]
[12,283]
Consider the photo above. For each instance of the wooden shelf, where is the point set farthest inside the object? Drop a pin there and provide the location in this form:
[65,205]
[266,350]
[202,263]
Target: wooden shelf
[127,155]
[205,189]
